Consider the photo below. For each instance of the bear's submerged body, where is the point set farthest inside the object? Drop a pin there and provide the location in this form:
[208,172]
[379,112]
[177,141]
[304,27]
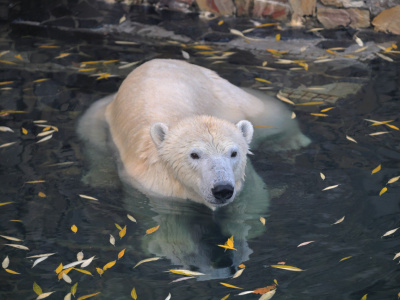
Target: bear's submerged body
[194,108]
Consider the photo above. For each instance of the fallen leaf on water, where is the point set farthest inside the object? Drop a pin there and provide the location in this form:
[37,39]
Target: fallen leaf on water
[331,187]
[392,126]
[384,57]
[182,279]
[293,116]
[100,271]
[62,55]
[186,272]
[278,37]
[109,265]
[5,83]
[268,295]
[153,229]
[44,295]
[262,80]
[146,260]
[12,272]
[220,22]
[74,229]
[390,232]
[133,294]
[39,260]
[88,197]
[66,278]
[284,99]
[37,289]
[262,291]
[242,266]
[318,115]
[6,129]
[66,271]
[118,227]
[5,203]
[262,220]
[74,288]
[35,181]
[5,263]
[122,232]
[10,238]
[88,296]
[59,268]
[121,253]
[285,267]
[245,293]
[394,179]
[7,145]
[42,195]
[345,258]
[67,296]
[396,255]
[79,256]
[18,246]
[305,243]
[87,262]
[83,271]
[327,109]
[339,221]
[377,169]
[112,240]
[44,139]
[24,131]
[351,139]
[238,273]
[131,218]
[309,103]
[168,297]
[364,297]
[103,76]
[230,286]
[384,190]
[322,175]
[378,133]
[229,244]
[185,55]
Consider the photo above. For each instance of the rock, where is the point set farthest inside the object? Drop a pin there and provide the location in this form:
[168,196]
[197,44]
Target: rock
[221,7]
[303,7]
[334,17]
[388,20]
[276,9]
[242,7]
[345,3]
[377,6]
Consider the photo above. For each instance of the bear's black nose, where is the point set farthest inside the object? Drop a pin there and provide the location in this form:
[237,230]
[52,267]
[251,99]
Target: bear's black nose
[222,192]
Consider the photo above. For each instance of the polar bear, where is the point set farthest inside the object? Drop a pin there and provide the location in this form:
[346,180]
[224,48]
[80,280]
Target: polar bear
[181,131]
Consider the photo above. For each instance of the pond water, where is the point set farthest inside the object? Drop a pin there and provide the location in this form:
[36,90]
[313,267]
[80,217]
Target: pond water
[45,85]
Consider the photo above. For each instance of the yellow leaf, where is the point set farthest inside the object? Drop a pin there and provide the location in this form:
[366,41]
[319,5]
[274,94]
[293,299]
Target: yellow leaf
[225,297]
[24,131]
[37,289]
[318,115]
[35,181]
[230,285]
[83,271]
[262,80]
[74,228]
[345,258]
[103,76]
[109,265]
[62,55]
[59,268]
[118,227]
[6,82]
[267,24]
[377,169]
[42,195]
[41,80]
[110,61]
[12,272]
[278,37]
[285,267]
[73,289]
[146,260]
[87,70]
[220,22]
[262,220]
[66,271]
[202,47]
[5,203]
[120,254]
[100,271]
[364,297]
[153,229]
[49,46]
[122,232]
[227,247]
[327,109]
[133,294]
[7,62]
[228,244]
[88,296]
[276,281]
[392,126]
[383,191]
[310,103]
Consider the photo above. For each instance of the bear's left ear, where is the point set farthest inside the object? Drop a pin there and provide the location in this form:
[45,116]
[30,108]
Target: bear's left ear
[247,130]
[158,132]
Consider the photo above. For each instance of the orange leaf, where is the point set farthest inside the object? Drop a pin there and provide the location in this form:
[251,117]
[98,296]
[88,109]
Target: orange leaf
[88,296]
[153,229]
[121,254]
[109,265]
[264,290]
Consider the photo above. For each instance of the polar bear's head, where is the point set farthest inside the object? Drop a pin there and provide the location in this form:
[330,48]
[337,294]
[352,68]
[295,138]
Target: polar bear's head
[206,155]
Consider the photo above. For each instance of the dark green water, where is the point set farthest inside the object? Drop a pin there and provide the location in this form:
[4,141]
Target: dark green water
[299,211]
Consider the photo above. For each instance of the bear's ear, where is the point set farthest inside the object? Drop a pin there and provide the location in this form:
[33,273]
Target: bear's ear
[247,130]
[158,132]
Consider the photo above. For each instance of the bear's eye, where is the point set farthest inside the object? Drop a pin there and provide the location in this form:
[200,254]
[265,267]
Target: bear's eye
[234,154]
[194,155]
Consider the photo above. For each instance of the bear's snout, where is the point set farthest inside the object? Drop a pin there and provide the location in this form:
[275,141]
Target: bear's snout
[223,192]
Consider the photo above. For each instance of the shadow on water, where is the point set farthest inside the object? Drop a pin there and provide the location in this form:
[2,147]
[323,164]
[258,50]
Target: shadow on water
[299,210]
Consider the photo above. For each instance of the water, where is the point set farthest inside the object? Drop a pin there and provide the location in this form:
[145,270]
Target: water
[299,210]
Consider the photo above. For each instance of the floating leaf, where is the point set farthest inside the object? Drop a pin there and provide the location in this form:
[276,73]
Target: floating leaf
[121,253]
[392,126]
[59,268]
[44,139]
[131,218]
[245,293]
[87,262]
[39,260]
[12,272]
[351,139]
[185,54]
[284,99]
[5,263]
[262,80]
[390,232]
[83,271]
[42,195]
[228,244]
[73,289]
[112,240]
[66,278]
[66,271]
[35,181]
[318,115]
[10,238]
[322,175]
[182,279]
[293,116]
[230,285]
[339,221]
[44,295]
[186,272]
[364,297]
[168,297]
[327,109]
[146,260]
[238,273]
[73,264]
[100,271]
[305,243]
[37,289]
[242,266]
[262,220]
[79,256]
[384,190]
[268,295]
[331,187]
[278,37]
[345,258]
[118,227]
[133,294]
[225,297]
[74,228]
[122,232]
[67,296]
[7,145]
[153,229]
[262,291]
[285,267]
[378,133]
[396,256]
[5,203]
[109,265]
[88,296]
[394,179]
[377,169]
[6,129]
[18,246]
[220,22]
[88,197]
[310,103]
[24,131]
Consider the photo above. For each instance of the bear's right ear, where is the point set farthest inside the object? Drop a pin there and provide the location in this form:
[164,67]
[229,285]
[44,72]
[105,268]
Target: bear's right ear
[158,132]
